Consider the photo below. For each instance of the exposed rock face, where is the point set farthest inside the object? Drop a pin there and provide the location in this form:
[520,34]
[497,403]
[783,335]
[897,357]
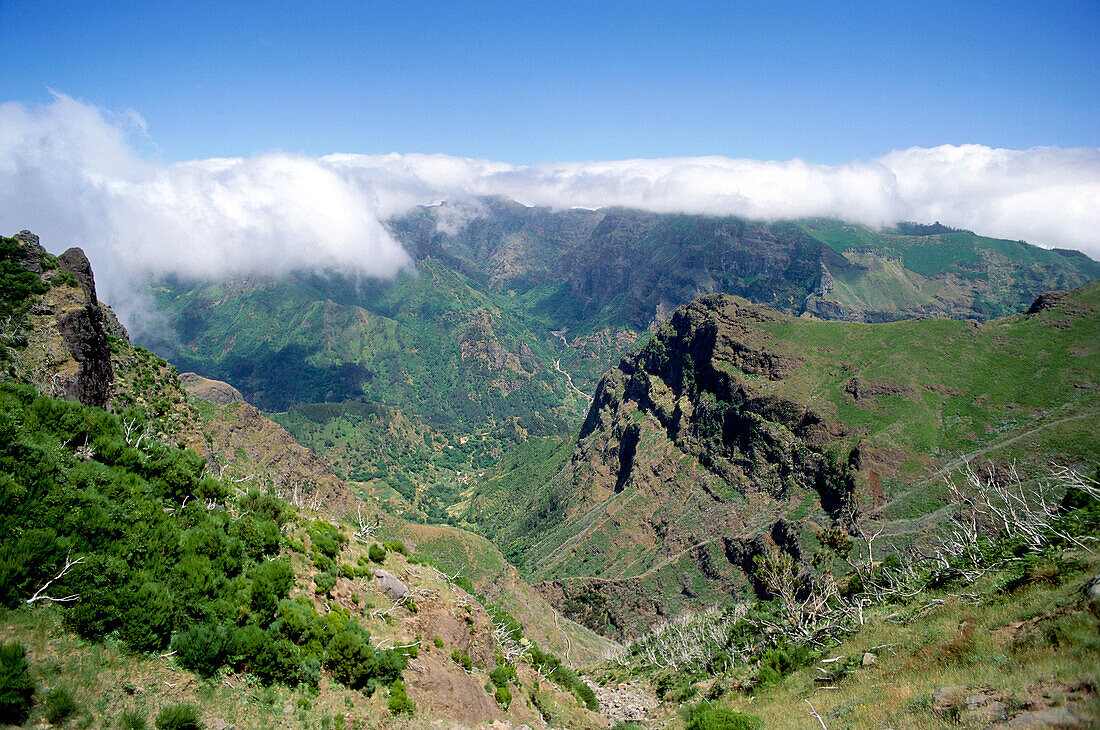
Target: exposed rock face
[683,469]
[85,333]
[81,326]
[74,261]
[32,259]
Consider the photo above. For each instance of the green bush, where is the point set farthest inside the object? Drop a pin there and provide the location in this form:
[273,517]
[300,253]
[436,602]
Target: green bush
[462,659]
[179,717]
[203,648]
[16,685]
[395,546]
[357,664]
[60,705]
[705,716]
[503,696]
[64,278]
[271,581]
[147,619]
[325,582]
[377,553]
[399,702]
[502,674]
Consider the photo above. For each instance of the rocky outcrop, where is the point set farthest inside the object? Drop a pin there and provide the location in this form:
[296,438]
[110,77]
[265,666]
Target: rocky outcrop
[685,467]
[85,333]
[84,372]
[215,391]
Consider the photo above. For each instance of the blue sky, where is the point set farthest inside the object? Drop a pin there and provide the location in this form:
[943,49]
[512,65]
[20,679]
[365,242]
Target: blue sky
[334,119]
[540,82]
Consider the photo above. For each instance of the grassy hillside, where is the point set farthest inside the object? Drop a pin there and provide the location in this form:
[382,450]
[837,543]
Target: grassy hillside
[736,424]
[999,630]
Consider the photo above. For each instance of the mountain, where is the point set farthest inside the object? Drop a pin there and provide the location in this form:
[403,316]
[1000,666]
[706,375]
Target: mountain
[738,427]
[514,313]
[159,548]
[756,500]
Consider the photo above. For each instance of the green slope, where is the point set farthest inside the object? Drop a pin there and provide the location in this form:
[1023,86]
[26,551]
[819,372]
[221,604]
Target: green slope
[736,424]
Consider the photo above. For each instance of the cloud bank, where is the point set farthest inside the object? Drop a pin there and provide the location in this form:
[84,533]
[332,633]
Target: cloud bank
[73,173]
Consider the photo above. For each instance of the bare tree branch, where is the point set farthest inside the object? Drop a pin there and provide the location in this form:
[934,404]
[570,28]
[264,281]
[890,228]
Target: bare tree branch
[38,595]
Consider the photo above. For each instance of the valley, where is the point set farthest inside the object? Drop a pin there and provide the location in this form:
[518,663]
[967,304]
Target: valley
[763,482]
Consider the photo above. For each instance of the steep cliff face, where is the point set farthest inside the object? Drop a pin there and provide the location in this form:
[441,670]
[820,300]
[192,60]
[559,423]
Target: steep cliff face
[79,320]
[71,345]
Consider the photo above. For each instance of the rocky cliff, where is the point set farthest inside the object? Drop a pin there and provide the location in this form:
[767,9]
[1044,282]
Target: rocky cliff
[82,368]
[737,430]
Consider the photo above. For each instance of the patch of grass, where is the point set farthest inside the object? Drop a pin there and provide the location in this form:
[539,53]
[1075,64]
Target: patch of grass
[60,705]
[180,717]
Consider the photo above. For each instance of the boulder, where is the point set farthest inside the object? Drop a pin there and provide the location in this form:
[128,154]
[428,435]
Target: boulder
[394,589]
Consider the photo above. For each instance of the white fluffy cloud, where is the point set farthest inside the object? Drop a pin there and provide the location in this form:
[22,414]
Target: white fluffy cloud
[70,172]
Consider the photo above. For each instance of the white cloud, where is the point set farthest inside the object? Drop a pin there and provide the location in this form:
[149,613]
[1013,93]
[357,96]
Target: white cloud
[69,172]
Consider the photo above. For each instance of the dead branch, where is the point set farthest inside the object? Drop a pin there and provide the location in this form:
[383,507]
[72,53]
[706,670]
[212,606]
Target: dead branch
[38,595]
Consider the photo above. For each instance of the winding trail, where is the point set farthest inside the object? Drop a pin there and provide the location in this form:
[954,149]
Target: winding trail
[560,334]
[569,379]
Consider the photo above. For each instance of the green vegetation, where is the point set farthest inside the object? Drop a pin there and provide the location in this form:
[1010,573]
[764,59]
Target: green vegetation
[704,716]
[132,720]
[17,284]
[156,551]
[399,702]
[179,717]
[16,685]
[60,705]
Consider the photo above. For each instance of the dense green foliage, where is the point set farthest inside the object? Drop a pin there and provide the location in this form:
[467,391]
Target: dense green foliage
[16,685]
[160,553]
[705,716]
[17,284]
[399,702]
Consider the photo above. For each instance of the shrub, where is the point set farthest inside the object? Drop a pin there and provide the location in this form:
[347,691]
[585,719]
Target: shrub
[202,648]
[462,659]
[503,696]
[438,641]
[271,581]
[502,674]
[357,664]
[377,553]
[399,700]
[16,686]
[179,717]
[707,717]
[65,278]
[325,582]
[147,620]
[395,546]
[60,705]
